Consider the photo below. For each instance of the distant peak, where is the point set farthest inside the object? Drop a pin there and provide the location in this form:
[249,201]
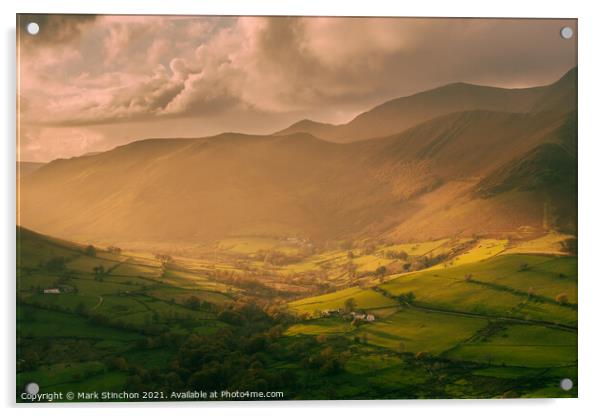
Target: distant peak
[308,122]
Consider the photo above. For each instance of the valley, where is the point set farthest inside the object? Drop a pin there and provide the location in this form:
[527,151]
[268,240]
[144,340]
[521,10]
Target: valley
[425,249]
[476,317]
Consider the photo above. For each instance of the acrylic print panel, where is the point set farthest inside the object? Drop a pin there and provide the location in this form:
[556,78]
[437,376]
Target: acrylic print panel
[289,208]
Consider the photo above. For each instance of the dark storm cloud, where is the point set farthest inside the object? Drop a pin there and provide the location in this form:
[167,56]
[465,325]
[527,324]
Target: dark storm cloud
[284,64]
[137,68]
[54,28]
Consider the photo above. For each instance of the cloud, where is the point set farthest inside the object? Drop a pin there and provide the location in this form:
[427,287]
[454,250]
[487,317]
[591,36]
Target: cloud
[54,28]
[98,70]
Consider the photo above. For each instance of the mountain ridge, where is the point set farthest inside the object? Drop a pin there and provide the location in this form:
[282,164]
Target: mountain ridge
[417,184]
[401,113]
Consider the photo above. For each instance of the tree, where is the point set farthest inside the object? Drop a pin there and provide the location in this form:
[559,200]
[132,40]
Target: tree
[114,250]
[381,272]
[562,298]
[164,258]
[569,246]
[118,363]
[90,251]
[392,254]
[407,297]
[193,303]
[99,272]
[350,305]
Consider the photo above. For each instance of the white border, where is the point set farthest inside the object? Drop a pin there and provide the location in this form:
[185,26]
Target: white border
[590,180]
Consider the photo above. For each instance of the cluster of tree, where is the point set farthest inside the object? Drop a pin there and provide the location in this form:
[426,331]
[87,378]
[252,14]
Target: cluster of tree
[351,269]
[569,246]
[250,283]
[99,273]
[90,250]
[278,258]
[381,272]
[406,297]
[350,305]
[396,254]
[424,262]
[114,250]
[234,358]
[326,361]
[165,259]
[197,304]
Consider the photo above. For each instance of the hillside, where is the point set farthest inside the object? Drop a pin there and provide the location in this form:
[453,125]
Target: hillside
[109,313]
[463,158]
[402,113]
[25,168]
[417,184]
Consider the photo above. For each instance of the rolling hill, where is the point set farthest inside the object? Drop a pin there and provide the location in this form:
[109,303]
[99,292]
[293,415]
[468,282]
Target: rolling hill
[402,113]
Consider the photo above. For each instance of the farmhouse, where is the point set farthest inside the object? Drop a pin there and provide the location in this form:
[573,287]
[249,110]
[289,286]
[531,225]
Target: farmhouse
[363,317]
[360,316]
[54,291]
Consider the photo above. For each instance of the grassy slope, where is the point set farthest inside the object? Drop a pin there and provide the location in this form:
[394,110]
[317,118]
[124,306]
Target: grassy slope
[501,285]
[498,287]
[133,294]
[364,298]
[130,292]
[415,331]
[523,345]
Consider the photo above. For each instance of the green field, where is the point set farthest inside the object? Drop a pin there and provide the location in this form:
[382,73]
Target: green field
[419,331]
[365,299]
[484,249]
[321,326]
[523,345]
[487,307]
[482,319]
[497,286]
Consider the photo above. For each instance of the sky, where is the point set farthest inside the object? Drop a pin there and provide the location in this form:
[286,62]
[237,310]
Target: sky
[90,83]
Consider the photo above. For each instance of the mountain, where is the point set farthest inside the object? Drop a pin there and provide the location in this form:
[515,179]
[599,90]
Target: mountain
[460,173]
[25,168]
[402,113]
